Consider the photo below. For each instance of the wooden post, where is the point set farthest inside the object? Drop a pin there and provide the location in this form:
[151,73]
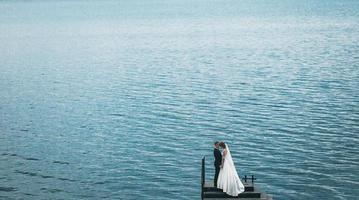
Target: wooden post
[203,176]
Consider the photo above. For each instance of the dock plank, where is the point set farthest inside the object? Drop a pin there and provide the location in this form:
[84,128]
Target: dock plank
[209,186]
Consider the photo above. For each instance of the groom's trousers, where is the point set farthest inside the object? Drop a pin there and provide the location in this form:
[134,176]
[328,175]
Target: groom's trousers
[217,168]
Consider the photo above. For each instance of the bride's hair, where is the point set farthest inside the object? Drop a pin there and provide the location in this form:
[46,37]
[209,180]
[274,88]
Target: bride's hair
[222,144]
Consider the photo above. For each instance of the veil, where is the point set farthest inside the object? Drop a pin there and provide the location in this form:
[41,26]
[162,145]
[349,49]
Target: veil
[230,160]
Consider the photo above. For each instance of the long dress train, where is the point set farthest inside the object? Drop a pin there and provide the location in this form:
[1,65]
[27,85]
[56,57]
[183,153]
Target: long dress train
[228,179]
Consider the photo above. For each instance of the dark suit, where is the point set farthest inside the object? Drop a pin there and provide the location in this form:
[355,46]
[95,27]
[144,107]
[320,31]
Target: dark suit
[217,163]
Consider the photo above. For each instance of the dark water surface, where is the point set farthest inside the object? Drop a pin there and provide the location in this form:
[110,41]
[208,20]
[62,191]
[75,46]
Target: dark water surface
[121,99]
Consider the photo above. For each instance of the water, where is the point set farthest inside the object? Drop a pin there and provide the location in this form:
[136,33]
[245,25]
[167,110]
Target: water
[121,99]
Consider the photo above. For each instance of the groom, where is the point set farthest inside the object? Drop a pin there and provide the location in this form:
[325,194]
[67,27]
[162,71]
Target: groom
[217,161]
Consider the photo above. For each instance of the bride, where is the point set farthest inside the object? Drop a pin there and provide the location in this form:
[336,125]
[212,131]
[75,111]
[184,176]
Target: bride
[228,179]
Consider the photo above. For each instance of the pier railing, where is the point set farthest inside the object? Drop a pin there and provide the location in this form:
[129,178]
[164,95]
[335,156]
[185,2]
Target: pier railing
[245,178]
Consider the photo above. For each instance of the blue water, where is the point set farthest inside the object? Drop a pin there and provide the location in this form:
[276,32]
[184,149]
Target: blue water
[121,99]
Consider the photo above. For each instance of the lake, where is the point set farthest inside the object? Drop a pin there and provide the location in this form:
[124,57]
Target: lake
[122,99]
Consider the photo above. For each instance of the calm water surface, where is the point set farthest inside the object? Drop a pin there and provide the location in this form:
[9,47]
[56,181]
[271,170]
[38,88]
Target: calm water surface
[121,99]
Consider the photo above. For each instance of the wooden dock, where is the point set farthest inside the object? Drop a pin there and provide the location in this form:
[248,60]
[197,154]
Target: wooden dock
[209,192]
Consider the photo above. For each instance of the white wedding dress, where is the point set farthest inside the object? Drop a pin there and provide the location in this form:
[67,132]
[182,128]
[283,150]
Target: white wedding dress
[228,179]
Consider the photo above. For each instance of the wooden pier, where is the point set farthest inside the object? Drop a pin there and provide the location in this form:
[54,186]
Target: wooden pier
[209,192]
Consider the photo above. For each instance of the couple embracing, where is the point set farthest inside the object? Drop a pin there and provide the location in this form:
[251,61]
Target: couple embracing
[226,177]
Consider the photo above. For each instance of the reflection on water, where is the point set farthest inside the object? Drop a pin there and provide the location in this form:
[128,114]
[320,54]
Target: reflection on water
[121,100]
